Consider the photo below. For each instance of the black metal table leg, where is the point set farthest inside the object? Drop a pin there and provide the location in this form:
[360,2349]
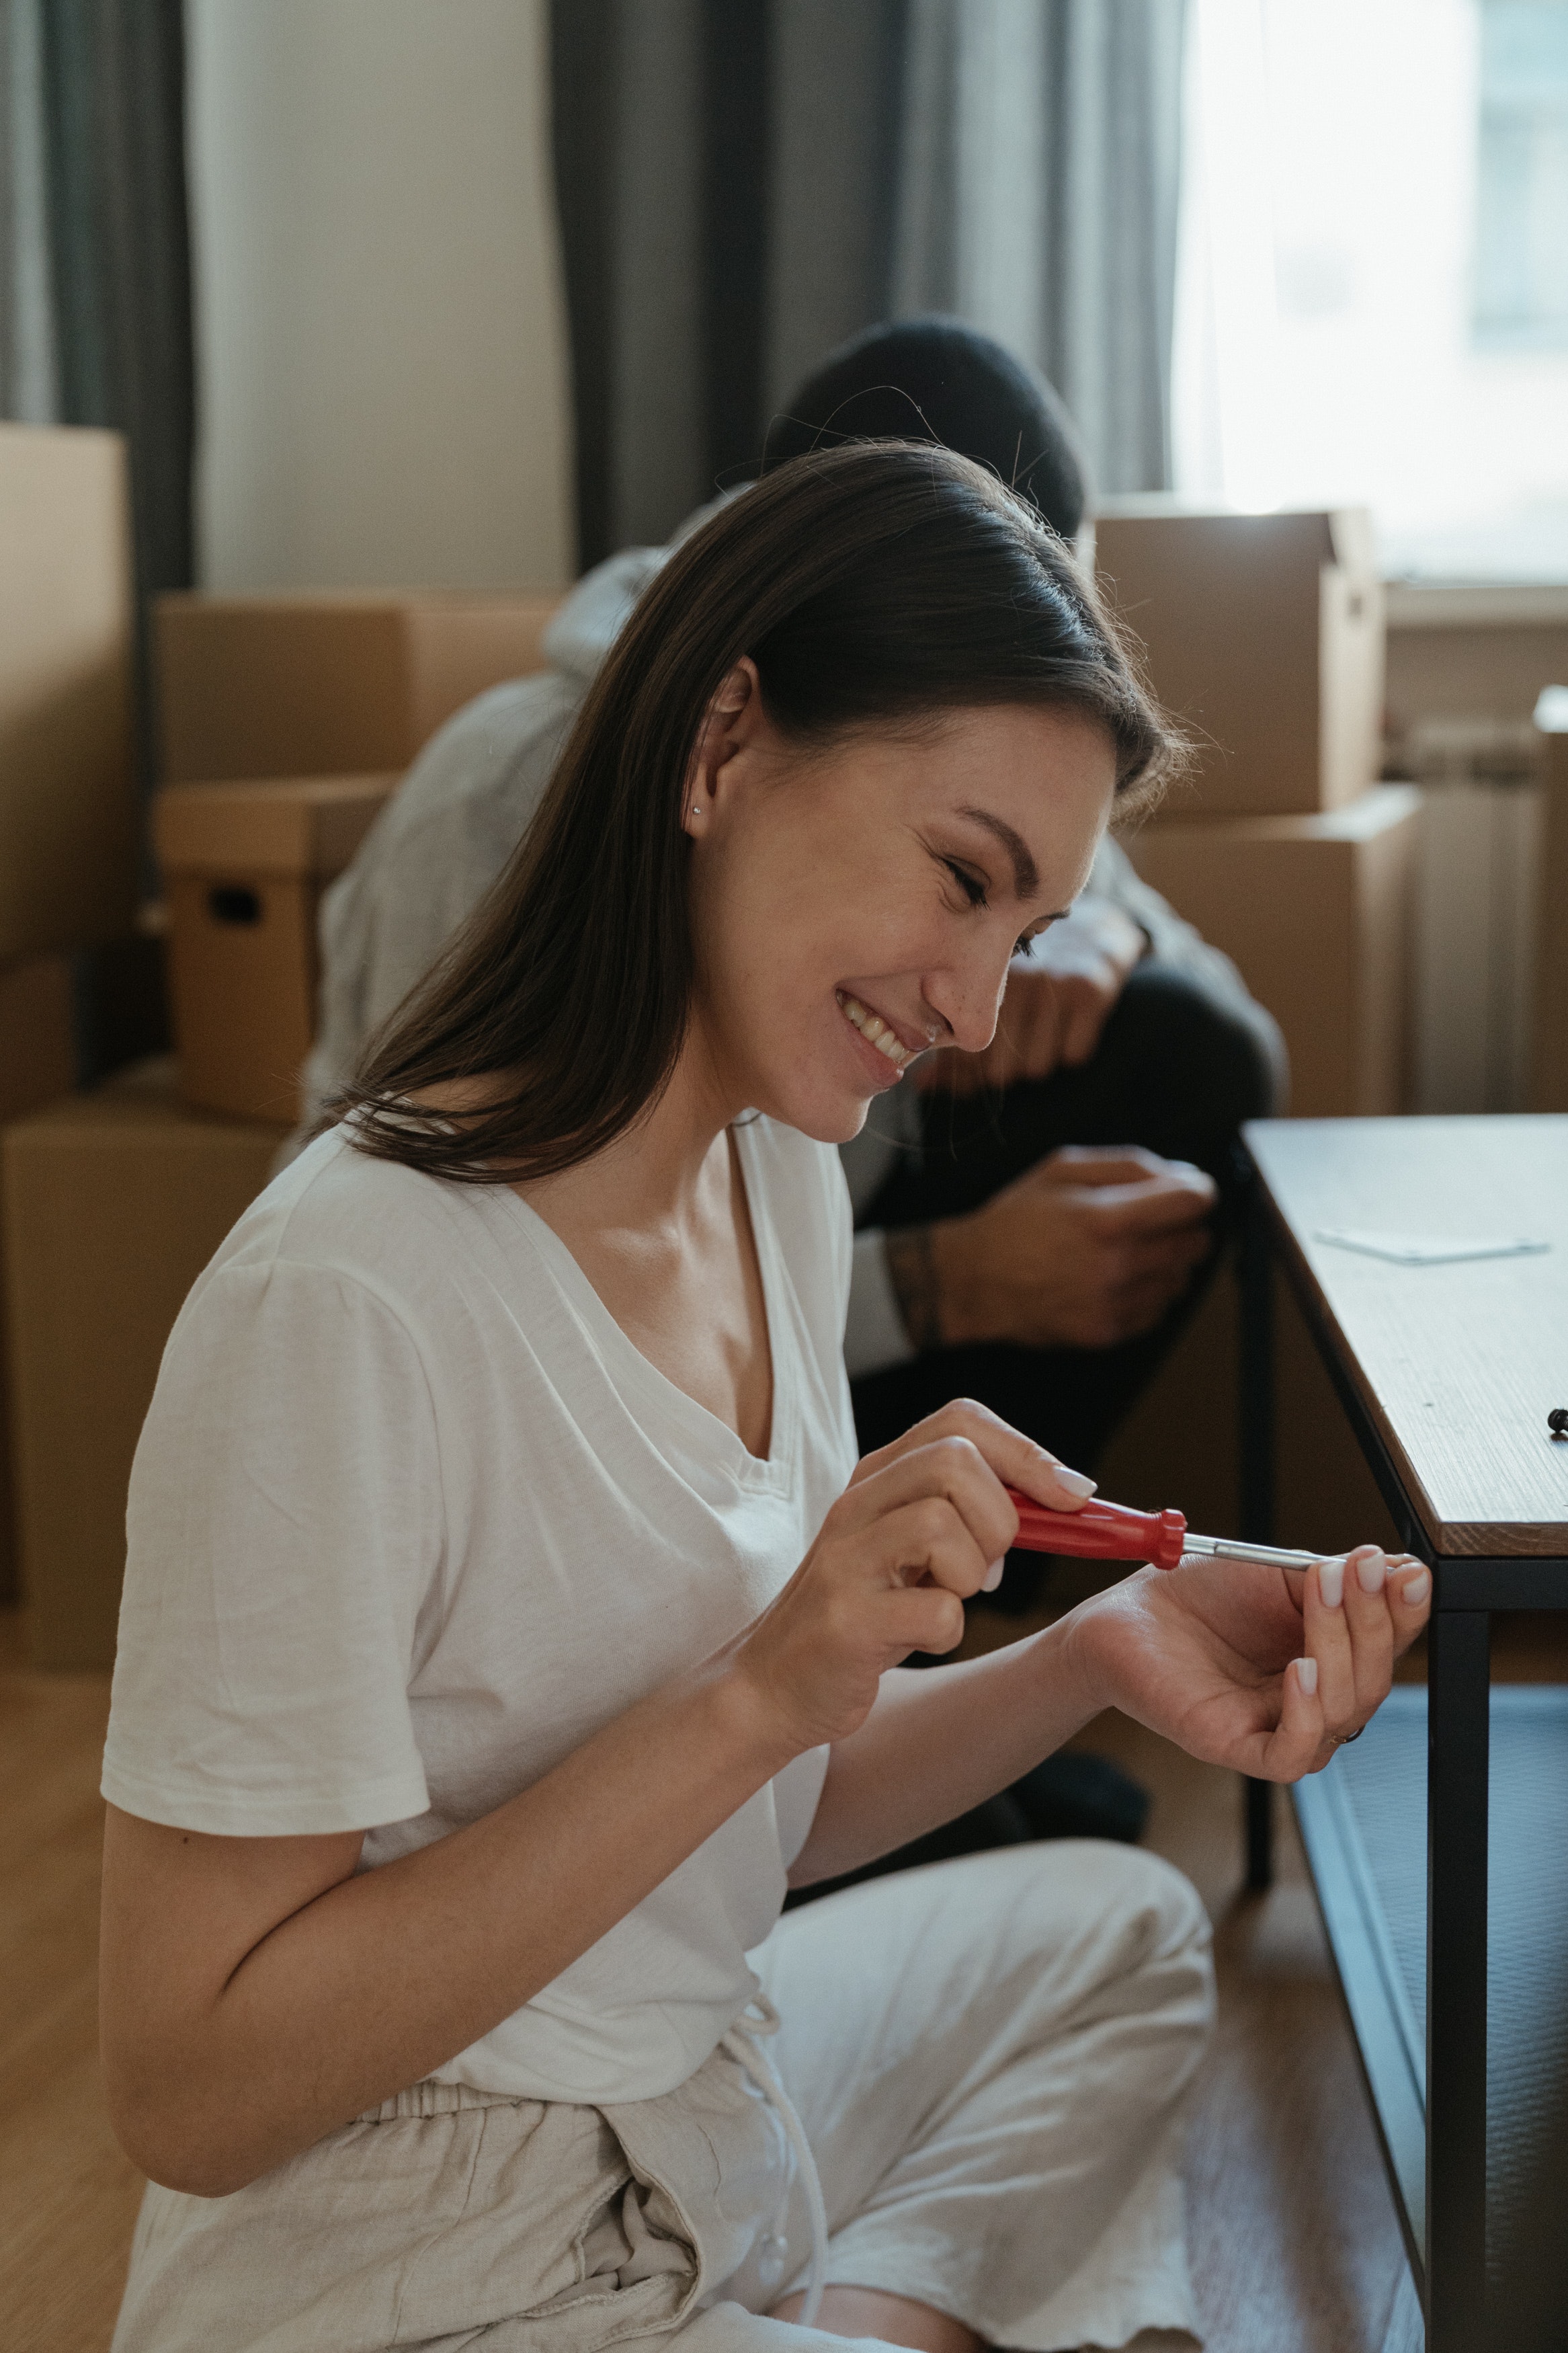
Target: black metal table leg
[1458,1745]
[1257,1824]
[1256,1448]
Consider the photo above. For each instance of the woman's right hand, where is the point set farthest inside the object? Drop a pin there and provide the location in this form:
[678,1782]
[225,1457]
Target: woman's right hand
[923,1524]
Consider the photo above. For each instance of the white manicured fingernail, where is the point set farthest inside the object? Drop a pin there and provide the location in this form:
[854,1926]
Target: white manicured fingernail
[994,1575]
[1331,1583]
[1371,1570]
[1414,1590]
[1307,1675]
[1074,1481]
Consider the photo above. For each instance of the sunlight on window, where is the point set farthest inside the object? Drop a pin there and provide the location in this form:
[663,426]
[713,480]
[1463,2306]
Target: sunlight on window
[1521,197]
[1372,296]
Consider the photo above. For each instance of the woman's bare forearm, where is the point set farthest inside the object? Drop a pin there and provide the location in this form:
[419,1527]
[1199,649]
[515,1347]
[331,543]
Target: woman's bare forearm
[226,2057]
[938,1741]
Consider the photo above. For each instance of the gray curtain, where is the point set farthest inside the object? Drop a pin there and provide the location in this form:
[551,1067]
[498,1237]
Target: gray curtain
[1037,199]
[744,183]
[95,329]
[95,303]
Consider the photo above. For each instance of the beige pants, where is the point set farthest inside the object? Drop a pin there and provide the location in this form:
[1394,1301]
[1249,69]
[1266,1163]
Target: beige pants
[988,2057]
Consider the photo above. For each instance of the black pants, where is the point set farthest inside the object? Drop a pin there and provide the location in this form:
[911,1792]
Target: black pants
[1173,1072]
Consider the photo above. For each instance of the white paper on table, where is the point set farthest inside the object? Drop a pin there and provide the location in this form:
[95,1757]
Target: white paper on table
[1426,1250]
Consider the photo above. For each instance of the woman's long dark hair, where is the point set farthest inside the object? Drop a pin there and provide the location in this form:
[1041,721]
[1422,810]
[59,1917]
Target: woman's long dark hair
[871,584]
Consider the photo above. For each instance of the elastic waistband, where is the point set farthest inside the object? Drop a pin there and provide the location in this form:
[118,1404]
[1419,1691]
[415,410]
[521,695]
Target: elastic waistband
[433,2099]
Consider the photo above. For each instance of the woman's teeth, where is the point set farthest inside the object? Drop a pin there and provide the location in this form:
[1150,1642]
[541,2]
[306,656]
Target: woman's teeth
[874,1029]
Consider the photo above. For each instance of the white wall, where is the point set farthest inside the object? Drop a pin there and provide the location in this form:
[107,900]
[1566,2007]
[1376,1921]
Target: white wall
[381,362]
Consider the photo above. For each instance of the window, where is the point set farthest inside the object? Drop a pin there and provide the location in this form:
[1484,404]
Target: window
[1372,292]
[1521,193]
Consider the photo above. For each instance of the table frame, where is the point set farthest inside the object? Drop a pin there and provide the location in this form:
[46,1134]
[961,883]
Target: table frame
[1439,2190]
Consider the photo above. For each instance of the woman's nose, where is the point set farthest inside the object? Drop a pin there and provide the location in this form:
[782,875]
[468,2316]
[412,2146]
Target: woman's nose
[968,1002]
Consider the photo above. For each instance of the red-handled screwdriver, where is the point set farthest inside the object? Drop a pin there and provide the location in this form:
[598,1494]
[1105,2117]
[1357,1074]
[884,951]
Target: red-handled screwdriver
[1103,1531]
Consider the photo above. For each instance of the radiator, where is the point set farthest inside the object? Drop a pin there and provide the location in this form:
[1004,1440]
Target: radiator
[1475,912]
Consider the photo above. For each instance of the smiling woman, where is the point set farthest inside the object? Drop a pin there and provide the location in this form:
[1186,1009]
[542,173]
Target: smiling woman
[507,1623]
[861,597]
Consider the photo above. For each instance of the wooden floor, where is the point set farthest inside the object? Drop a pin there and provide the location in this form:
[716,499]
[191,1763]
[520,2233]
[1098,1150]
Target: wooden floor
[1294,2244]
[67,2196]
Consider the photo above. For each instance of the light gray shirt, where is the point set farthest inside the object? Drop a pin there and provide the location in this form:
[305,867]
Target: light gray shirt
[461,810]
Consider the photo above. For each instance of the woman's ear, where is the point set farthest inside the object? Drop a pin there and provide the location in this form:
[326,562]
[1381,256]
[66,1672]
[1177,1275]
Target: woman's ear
[732,719]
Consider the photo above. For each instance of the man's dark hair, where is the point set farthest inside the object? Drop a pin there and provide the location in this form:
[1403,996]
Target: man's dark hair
[938,380]
[878,584]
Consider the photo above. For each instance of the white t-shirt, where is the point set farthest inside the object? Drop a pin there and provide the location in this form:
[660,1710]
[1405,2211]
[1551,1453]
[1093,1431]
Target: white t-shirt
[411,1518]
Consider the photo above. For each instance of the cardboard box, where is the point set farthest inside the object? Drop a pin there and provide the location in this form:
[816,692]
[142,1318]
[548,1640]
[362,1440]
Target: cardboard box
[1264,635]
[69,831]
[37,1065]
[245,866]
[325,684]
[1317,913]
[113,1204]
[1549,1026]
[38,1048]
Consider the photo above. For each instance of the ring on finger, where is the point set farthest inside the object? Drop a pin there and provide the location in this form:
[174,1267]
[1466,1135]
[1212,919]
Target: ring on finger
[1343,1739]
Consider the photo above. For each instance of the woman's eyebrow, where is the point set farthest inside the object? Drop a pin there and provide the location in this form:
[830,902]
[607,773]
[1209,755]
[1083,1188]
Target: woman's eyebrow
[1026,873]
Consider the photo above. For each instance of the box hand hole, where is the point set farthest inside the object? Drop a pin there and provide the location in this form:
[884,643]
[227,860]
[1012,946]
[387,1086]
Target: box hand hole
[234,903]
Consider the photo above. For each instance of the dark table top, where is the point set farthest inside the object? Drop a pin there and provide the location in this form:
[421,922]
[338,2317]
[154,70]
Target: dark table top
[1457,1364]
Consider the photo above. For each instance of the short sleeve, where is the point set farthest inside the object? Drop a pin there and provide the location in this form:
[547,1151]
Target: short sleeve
[284,1528]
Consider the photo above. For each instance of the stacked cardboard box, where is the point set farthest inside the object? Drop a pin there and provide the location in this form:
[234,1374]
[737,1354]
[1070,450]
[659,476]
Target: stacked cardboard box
[113,1203]
[68,815]
[244,867]
[324,685]
[68,812]
[37,1065]
[327,698]
[1317,912]
[115,1200]
[1264,636]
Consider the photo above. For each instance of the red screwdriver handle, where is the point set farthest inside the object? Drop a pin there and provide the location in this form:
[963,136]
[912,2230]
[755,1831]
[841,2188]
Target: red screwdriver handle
[1101,1531]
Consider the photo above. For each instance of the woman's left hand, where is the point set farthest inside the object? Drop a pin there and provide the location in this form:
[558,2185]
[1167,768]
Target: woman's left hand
[1267,1670]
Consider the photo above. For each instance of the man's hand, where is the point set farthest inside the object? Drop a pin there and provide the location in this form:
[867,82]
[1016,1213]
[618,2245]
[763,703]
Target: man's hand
[1058,1000]
[1086,1251]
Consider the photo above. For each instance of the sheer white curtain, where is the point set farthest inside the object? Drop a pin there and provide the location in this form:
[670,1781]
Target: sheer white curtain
[1226,356]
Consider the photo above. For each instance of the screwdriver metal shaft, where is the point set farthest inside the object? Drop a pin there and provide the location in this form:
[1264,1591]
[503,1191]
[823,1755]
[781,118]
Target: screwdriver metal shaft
[1261,1555]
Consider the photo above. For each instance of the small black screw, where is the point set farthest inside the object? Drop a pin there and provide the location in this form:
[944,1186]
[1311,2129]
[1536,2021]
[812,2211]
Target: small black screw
[1557,1422]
